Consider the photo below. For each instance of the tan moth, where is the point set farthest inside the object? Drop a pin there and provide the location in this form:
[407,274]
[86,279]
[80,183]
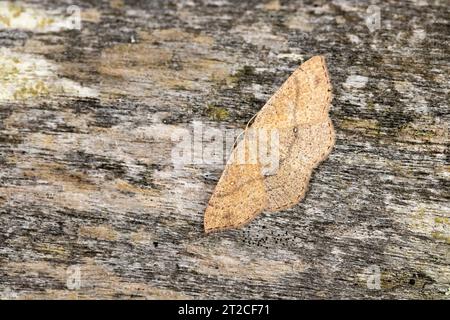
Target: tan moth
[298,113]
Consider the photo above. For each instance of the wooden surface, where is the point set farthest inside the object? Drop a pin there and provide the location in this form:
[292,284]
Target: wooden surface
[92,205]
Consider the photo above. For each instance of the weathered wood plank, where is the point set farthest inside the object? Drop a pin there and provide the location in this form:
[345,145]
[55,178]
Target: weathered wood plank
[87,182]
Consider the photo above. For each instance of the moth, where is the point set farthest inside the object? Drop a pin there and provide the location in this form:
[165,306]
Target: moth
[304,134]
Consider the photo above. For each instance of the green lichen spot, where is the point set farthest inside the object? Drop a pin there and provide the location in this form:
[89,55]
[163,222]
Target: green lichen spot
[370,105]
[369,127]
[442,220]
[25,92]
[45,22]
[440,236]
[244,73]
[418,133]
[9,72]
[421,212]
[217,113]
[5,21]
[15,10]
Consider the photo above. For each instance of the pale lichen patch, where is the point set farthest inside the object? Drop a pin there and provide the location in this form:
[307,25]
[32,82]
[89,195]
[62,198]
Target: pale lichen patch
[355,81]
[428,219]
[291,56]
[424,130]
[26,76]
[19,15]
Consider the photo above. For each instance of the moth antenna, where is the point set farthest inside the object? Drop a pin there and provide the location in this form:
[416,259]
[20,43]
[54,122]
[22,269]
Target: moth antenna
[245,130]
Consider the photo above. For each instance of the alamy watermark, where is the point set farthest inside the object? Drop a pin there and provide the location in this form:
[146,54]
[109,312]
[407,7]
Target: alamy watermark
[213,146]
[374,277]
[73,22]
[373,18]
[8,294]
[73,281]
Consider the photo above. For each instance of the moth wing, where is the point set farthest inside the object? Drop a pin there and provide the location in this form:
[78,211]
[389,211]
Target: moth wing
[240,194]
[299,112]
[303,98]
[301,104]
[300,152]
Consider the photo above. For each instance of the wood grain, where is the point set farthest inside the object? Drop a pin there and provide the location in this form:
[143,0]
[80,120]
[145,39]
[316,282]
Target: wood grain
[88,117]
